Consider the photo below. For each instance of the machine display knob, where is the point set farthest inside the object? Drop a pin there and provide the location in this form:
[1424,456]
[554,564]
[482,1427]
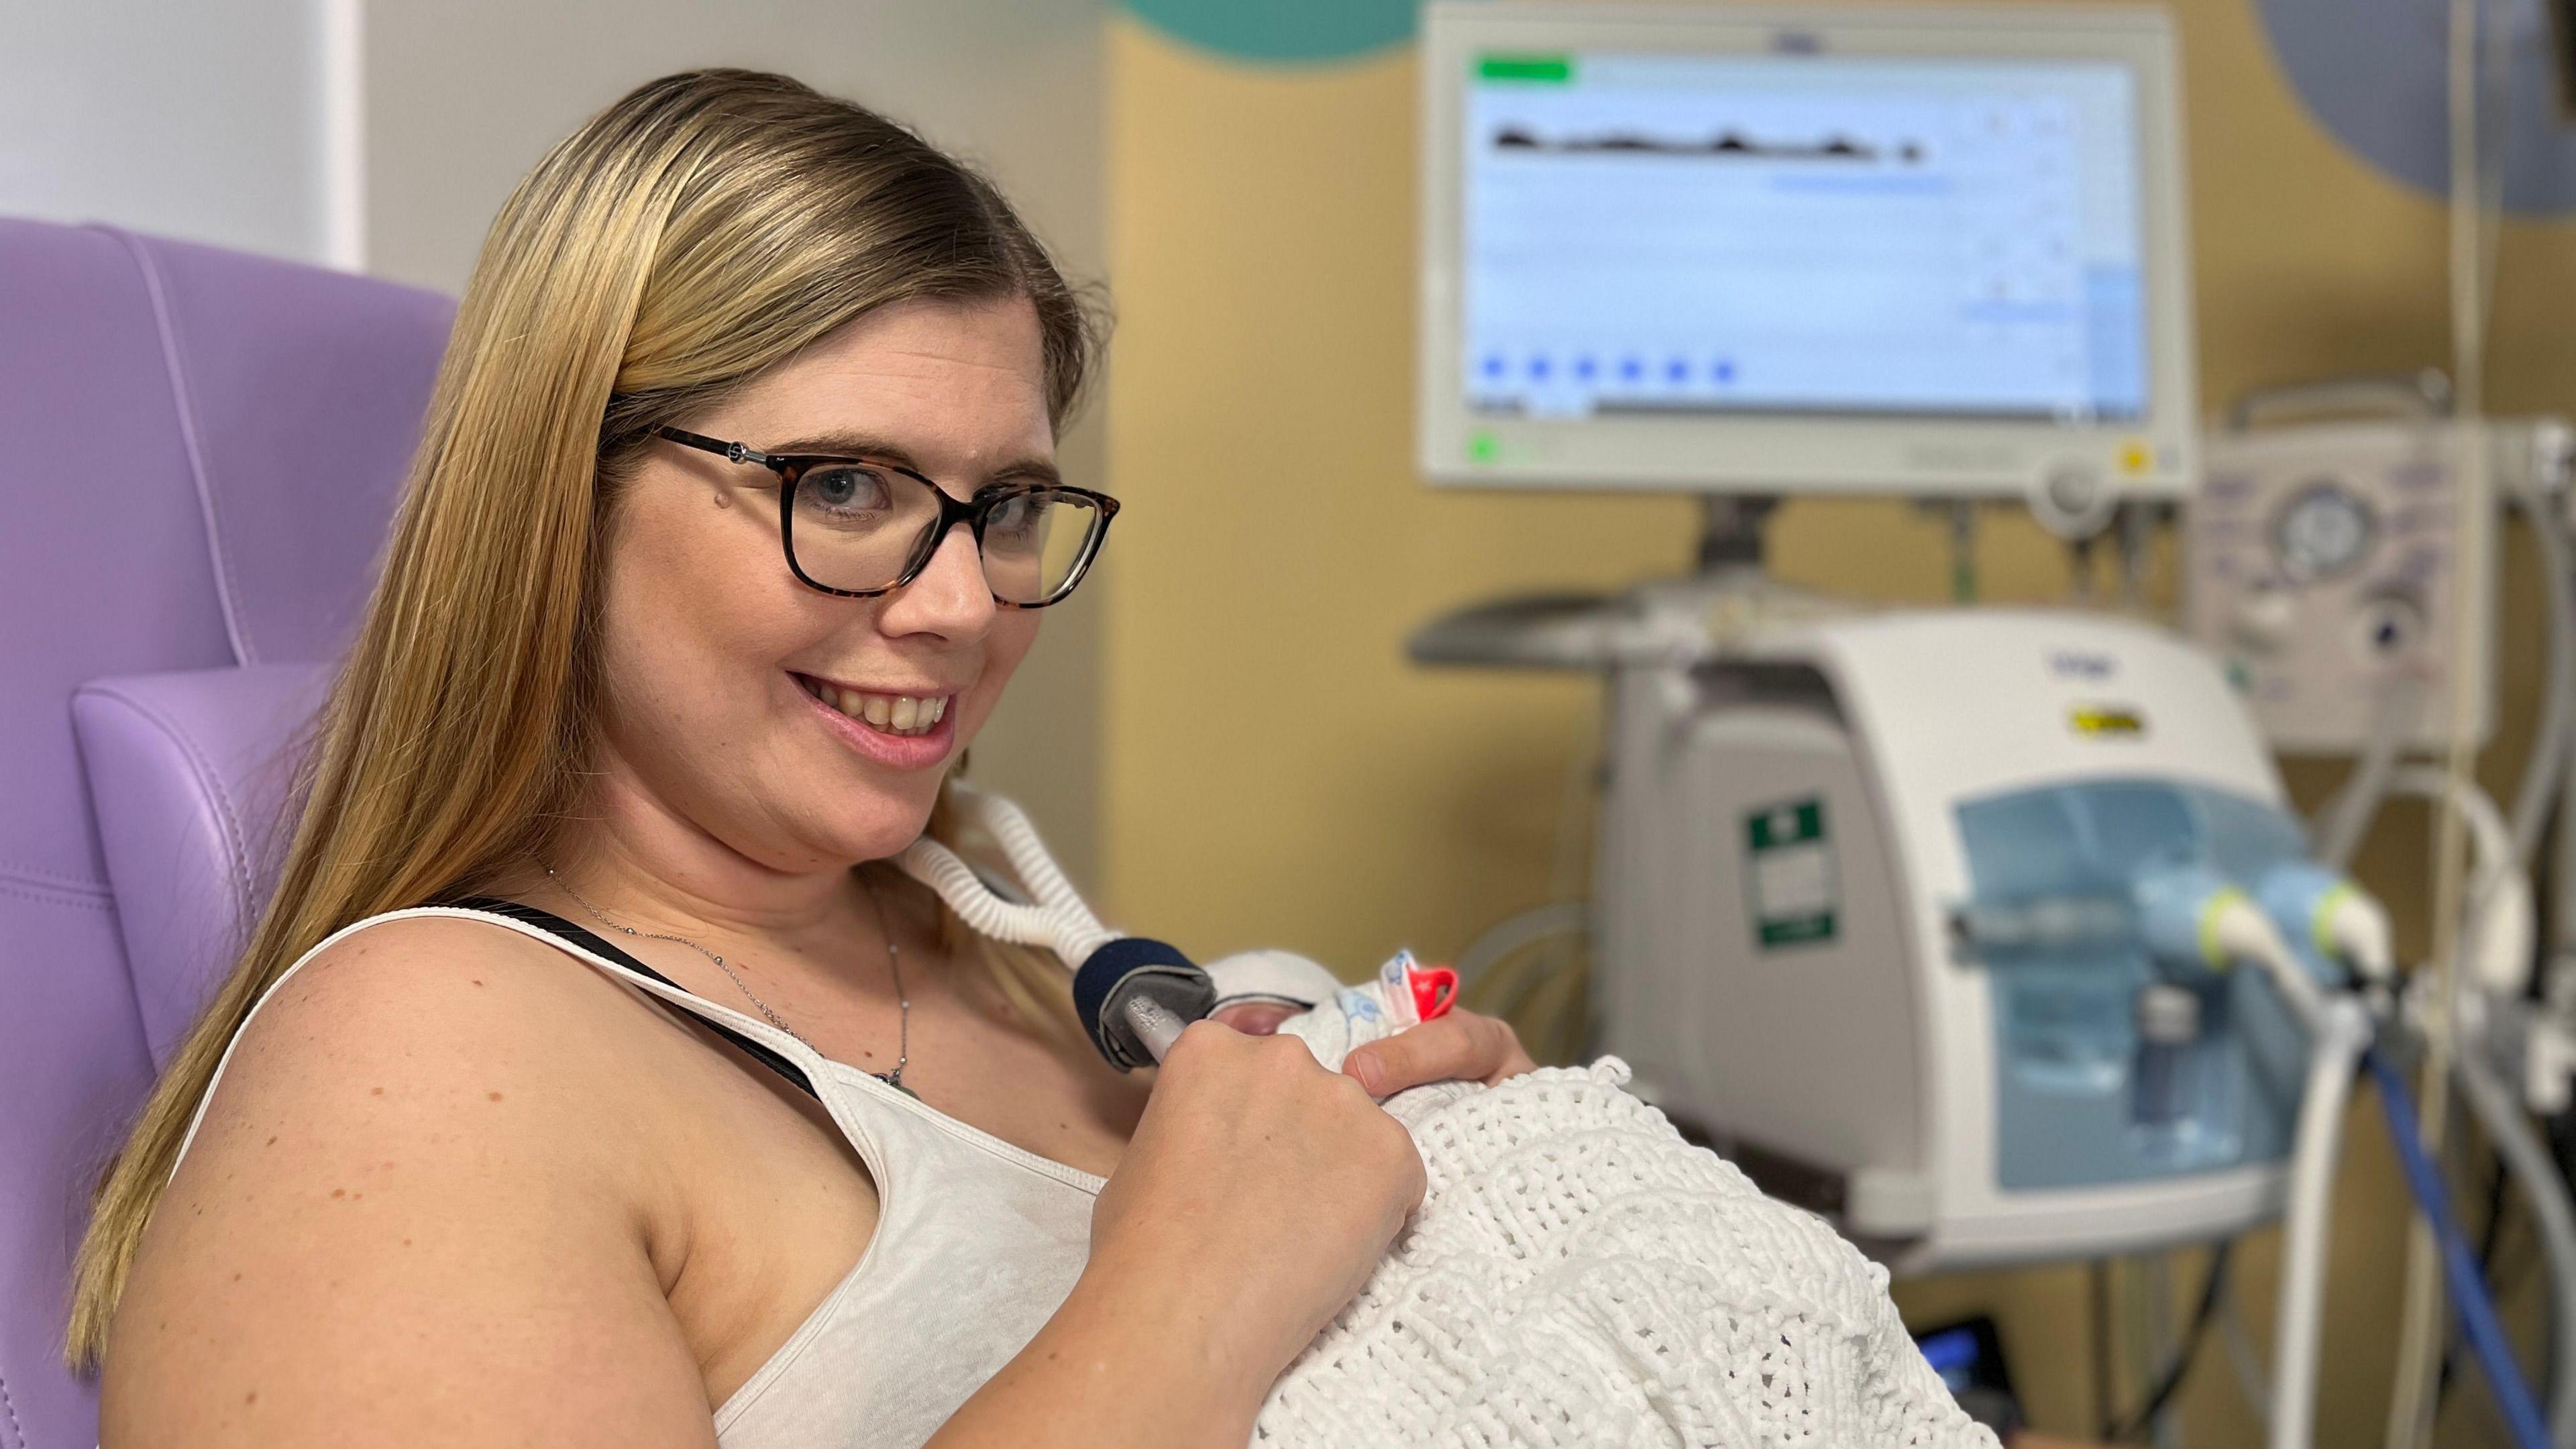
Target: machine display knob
[2325,529]
[2073,500]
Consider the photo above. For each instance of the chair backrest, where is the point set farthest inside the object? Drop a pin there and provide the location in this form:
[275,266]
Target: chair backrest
[199,452]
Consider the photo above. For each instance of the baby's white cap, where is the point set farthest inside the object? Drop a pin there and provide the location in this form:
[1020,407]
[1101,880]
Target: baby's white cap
[1281,976]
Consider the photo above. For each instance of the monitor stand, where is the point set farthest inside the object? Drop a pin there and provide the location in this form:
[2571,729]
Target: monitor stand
[1734,531]
[1706,614]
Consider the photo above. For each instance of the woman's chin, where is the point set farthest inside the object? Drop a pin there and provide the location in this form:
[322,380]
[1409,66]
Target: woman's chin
[894,816]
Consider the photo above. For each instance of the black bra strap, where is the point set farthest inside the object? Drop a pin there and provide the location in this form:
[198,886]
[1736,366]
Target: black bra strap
[557,926]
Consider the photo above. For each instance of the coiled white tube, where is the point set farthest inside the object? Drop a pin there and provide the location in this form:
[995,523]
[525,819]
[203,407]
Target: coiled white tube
[1058,920]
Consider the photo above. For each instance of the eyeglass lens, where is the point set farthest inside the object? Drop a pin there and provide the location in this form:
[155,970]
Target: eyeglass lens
[860,528]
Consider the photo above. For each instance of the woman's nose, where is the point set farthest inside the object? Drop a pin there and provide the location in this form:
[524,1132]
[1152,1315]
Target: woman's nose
[950,597]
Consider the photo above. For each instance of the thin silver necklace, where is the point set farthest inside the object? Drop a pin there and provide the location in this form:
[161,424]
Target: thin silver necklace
[894,966]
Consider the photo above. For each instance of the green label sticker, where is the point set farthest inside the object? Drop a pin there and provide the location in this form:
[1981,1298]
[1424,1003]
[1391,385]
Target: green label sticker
[1789,881]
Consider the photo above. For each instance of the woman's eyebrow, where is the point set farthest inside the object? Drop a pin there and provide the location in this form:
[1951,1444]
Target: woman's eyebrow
[839,444]
[844,445]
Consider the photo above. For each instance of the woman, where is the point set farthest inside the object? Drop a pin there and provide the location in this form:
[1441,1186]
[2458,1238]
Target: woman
[676,638]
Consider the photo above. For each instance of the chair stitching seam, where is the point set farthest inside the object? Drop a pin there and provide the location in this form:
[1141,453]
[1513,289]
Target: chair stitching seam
[185,403]
[37,892]
[17,1431]
[39,875]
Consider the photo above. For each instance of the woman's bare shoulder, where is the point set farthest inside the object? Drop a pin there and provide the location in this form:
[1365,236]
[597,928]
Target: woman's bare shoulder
[419,1152]
[439,1002]
[424,1023]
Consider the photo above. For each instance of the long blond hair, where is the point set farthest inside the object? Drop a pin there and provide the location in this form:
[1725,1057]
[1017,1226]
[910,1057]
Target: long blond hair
[702,229]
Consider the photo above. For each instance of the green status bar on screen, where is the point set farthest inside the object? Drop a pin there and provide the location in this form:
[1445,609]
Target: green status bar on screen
[1549,68]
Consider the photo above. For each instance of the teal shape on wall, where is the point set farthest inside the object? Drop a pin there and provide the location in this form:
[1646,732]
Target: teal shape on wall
[1283,31]
[2375,74]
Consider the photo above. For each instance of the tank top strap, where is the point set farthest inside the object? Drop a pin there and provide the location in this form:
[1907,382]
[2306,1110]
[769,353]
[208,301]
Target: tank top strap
[793,1060]
[600,946]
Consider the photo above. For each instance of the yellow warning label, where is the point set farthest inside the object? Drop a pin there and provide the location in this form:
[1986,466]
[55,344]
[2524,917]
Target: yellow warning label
[2104,719]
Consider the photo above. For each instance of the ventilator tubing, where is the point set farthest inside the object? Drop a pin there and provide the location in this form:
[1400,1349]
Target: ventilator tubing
[2192,920]
[1128,989]
[2339,1031]
[2350,927]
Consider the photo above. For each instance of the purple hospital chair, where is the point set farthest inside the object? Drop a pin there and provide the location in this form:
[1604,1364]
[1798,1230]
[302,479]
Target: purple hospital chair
[199,453]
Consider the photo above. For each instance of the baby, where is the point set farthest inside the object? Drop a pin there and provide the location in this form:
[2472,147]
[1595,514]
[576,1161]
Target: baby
[1578,1274]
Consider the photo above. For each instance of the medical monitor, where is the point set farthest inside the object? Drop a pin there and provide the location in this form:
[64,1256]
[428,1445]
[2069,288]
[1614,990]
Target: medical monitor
[1721,248]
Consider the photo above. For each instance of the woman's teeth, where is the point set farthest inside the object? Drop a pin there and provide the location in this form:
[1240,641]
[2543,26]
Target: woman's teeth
[896,714]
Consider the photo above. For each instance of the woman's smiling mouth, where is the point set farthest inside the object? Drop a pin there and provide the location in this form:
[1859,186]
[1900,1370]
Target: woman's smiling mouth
[905,716]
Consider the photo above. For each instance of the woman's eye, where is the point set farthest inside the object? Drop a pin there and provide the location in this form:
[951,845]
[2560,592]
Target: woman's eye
[843,489]
[1016,518]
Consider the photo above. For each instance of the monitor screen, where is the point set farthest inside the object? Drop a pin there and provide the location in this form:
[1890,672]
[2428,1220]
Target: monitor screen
[1919,249]
[1802,235]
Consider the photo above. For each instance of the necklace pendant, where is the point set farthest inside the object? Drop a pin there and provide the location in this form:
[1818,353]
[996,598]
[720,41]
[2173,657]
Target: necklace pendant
[892,1080]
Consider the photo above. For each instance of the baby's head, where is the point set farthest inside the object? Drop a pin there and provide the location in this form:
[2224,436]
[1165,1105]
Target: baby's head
[1264,993]
[1257,990]
[1256,1018]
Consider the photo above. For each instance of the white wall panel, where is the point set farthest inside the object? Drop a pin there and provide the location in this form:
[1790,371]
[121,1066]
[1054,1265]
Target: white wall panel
[202,121]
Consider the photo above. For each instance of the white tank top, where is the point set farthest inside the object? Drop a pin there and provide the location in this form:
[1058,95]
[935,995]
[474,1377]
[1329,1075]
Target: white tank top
[977,1244]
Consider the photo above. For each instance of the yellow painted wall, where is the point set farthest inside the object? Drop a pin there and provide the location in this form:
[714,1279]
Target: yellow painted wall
[1274,773]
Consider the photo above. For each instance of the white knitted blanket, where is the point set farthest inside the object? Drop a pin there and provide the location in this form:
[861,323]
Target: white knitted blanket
[1580,1275]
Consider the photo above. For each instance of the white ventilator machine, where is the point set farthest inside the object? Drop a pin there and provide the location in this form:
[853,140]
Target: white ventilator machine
[1990,933]
[1874,911]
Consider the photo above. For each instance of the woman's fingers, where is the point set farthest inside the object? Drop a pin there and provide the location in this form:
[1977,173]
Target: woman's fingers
[1461,1046]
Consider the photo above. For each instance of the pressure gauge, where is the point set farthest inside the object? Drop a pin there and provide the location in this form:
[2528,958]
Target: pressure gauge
[2325,529]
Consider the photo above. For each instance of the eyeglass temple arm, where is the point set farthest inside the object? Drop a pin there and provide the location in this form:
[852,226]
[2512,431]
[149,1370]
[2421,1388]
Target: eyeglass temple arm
[732,452]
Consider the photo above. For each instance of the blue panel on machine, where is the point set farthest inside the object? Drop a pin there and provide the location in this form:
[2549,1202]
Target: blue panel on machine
[2098,1079]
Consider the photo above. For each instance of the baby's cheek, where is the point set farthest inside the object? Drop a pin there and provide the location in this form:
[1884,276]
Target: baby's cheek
[1255,1018]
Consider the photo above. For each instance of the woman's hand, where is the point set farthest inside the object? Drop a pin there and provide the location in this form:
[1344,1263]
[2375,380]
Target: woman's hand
[1256,1196]
[1461,1046]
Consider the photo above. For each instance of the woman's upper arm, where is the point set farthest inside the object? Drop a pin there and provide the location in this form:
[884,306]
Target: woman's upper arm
[414,1216]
